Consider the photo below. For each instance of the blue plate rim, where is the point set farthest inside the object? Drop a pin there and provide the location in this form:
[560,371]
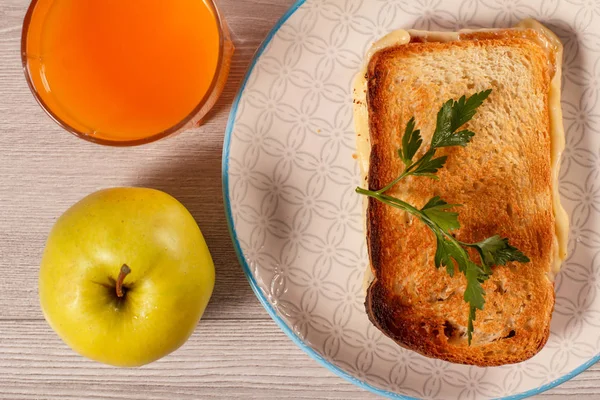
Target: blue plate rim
[260,295]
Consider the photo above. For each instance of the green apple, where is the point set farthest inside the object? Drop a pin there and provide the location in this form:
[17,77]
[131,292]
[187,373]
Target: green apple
[125,276]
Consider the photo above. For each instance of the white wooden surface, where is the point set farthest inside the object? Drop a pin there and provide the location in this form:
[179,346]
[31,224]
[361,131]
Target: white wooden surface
[236,351]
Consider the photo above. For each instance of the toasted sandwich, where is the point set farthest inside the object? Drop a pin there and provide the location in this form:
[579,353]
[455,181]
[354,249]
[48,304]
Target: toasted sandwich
[506,180]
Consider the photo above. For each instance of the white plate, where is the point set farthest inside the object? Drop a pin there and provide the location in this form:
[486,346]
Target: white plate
[289,180]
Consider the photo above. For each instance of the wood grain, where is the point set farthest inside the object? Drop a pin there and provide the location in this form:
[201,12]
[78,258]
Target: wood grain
[219,361]
[236,351]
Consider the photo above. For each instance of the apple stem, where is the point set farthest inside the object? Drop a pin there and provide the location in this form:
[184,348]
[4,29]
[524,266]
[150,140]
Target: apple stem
[125,270]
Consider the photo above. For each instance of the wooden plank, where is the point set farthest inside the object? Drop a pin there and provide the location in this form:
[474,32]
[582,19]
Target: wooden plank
[223,359]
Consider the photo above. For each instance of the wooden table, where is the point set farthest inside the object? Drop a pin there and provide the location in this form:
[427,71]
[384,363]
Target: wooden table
[237,351]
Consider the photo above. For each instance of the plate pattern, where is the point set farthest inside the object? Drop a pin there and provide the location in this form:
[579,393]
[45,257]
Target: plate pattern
[291,177]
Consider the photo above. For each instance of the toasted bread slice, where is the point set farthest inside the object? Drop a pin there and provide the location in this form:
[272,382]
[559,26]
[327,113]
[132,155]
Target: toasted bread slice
[505,179]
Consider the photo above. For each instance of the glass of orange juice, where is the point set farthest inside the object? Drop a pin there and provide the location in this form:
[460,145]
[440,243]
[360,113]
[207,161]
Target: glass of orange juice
[125,72]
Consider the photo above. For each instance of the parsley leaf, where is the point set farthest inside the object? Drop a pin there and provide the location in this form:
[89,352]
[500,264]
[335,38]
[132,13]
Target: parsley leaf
[443,254]
[464,109]
[497,251]
[472,317]
[474,293]
[411,142]
[437,214]
[448,253]
[426,166]
[443,127]
[457,139]
[436,210]
[452,116]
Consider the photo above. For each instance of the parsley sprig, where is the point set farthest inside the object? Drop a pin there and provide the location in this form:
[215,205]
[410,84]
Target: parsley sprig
[437,215]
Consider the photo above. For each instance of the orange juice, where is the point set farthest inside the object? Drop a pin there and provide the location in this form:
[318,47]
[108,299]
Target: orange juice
[122,70]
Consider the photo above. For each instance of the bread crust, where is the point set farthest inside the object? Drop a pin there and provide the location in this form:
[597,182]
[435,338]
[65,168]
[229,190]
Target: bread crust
[502,179]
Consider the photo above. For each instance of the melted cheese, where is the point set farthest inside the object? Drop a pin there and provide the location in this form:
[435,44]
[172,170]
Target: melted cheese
[550,42]
[557,139]
[361,117]
[361,113]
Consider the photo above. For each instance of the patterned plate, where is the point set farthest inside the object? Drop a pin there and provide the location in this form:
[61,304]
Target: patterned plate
[289,179]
